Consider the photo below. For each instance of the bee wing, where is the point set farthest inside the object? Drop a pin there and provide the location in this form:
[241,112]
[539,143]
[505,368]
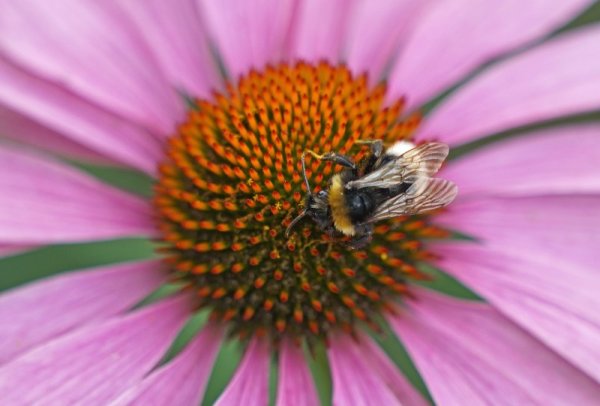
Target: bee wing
[424,195]
[422,161]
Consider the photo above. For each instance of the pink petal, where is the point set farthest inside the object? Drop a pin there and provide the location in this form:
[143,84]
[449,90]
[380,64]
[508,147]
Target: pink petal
[25,130]
[555,79]
[553,299]
[362,376]
[456,36]
[248,33]
[43,310]
[560,160]
[377,30]
[250,384]
[174,30]
[72,121]
[469,354]
[182,381]
[557,228]
[93,50]
[43,201]
[296,386]
[391,375]
[94,365]
[319,30]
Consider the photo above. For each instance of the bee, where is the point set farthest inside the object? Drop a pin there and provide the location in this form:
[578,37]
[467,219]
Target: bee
[388,183]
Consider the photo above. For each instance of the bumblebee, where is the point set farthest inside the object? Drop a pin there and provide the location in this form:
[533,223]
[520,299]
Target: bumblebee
[388,183]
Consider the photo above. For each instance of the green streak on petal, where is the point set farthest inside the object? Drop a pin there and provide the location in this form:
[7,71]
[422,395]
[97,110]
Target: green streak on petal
[227,361]
[126,179]
[187,333]
[522,131]
[319,367]
[273,378]
[47,261]
[445,283]
[160,293]
[397,353]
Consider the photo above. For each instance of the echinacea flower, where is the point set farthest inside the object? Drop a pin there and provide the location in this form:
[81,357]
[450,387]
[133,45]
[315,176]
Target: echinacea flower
[217,101]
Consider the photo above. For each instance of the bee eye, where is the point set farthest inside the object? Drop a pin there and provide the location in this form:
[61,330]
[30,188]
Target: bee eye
[322,194]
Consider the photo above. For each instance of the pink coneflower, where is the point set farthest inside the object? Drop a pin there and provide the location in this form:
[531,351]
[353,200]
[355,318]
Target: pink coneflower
[216,101]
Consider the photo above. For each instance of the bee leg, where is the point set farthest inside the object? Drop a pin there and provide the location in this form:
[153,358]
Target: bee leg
[376,153]
[360,241]
[330,156]
[376,146]
[363,237]
[335,158]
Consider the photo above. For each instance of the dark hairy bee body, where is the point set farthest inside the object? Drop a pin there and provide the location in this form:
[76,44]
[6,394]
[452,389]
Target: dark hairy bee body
[363,202]
[387,183]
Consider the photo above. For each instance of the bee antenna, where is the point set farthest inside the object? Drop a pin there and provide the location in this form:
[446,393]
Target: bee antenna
[293,223]
[308,189]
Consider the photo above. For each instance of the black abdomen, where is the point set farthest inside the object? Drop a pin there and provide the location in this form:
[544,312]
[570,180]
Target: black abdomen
[361,204]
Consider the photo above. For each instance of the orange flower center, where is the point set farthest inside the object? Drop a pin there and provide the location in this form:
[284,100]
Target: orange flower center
[232,182]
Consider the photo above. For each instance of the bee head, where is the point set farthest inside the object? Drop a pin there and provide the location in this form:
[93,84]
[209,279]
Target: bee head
[316,207]
[318,200]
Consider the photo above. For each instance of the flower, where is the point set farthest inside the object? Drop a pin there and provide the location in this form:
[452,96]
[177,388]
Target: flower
[123,82]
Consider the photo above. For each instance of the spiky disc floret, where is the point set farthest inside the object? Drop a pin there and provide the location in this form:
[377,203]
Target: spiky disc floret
[232,182]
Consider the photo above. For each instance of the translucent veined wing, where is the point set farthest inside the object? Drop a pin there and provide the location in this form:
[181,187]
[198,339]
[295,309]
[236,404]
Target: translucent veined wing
[424,195]
[422,161]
